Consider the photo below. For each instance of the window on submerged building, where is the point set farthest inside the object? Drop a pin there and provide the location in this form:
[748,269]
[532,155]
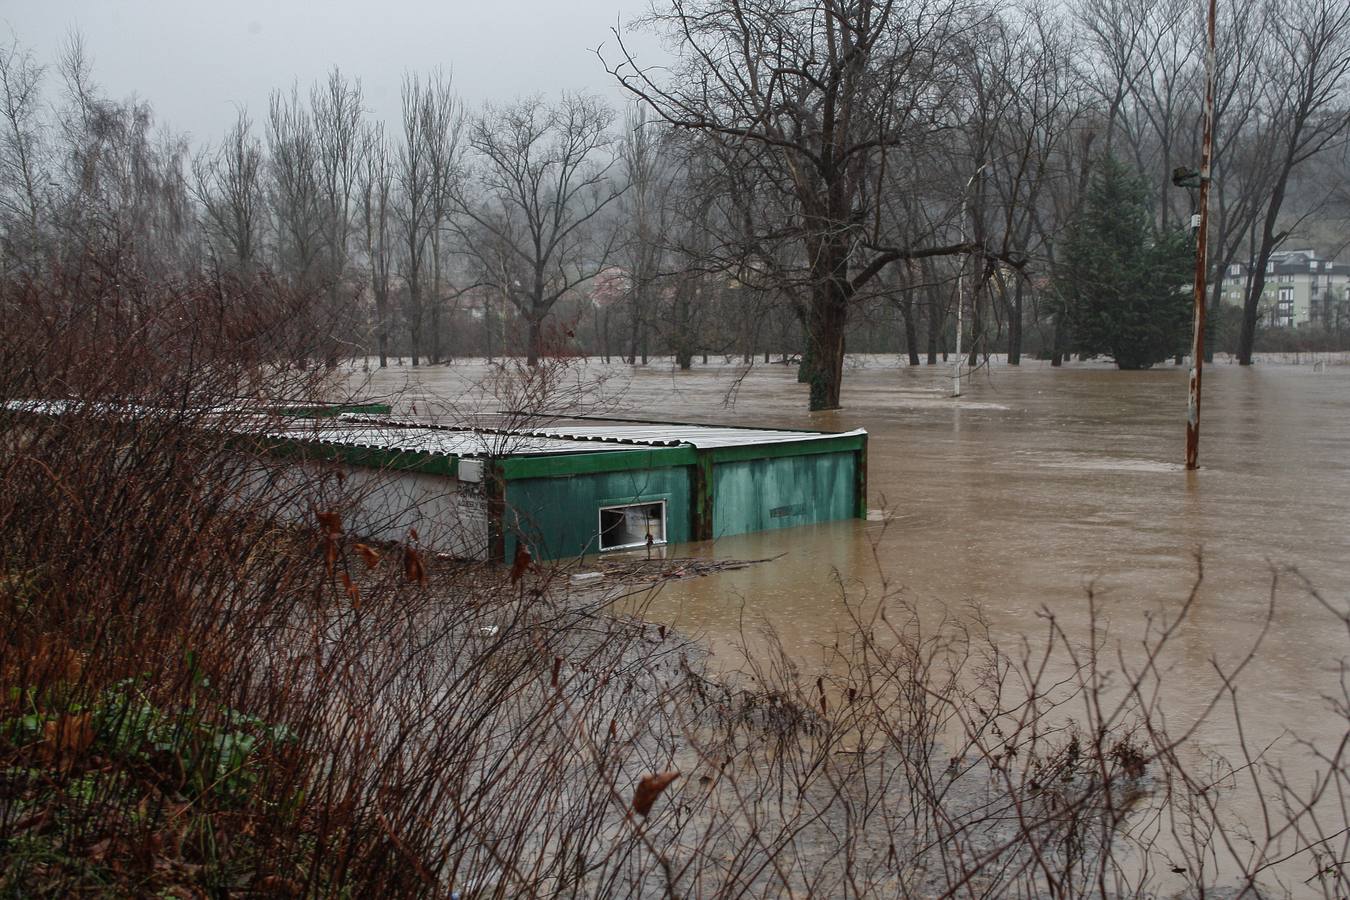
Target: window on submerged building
[623,527]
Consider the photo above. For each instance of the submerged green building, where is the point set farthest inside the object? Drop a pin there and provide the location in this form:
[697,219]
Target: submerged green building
[590,487]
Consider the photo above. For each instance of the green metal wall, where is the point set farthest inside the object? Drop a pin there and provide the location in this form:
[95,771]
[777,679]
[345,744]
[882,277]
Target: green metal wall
[760,494]
[559,516]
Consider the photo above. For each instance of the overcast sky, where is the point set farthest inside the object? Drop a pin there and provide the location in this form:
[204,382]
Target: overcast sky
[197,61]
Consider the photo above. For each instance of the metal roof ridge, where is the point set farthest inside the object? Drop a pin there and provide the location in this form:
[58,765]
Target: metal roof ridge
[625,440]
[603,439]
[588,418]
[511,432]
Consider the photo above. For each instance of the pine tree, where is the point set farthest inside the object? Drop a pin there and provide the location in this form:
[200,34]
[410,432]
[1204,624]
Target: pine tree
[1125,285]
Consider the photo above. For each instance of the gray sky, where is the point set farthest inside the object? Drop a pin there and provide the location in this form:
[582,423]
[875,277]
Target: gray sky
[197,61]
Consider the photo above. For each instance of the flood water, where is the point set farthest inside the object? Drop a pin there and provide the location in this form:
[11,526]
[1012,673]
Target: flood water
[1034,484]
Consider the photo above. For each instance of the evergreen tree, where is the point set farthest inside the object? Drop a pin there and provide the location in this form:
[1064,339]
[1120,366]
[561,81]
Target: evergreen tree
[1125,285]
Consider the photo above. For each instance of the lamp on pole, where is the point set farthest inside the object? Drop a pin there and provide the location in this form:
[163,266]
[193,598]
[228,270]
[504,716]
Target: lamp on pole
[960,279]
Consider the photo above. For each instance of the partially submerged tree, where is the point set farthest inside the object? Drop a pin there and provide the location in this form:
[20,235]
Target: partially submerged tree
[228,186]
[337,111]
[431,122]
[544,174]
[377,227]
[646,213]
[815,95]
[1308,111]
[1125,285]
[294,191]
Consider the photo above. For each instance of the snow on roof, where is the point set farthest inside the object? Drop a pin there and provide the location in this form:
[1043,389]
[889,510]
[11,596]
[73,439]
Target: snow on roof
[464,441]
[370,432]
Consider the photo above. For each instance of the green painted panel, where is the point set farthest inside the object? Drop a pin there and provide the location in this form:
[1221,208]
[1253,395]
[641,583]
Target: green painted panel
[560,517]
[761,494]
[789,448]
[544,466]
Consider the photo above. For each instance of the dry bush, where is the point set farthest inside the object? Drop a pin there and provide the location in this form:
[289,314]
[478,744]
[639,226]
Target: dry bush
[206,693]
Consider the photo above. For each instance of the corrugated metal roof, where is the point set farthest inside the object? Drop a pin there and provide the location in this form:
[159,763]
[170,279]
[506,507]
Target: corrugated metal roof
[701,436]
[511,441]
[381,433]
[439,441]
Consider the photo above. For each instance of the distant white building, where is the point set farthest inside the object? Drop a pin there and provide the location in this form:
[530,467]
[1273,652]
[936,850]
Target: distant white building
[1301,290]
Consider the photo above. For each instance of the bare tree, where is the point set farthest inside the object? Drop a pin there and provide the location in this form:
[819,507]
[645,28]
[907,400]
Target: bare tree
[377,200]
[1241,179]
[124,183]
[646,213]
[446,120]
[431,121]
[1307,109]
[295,192]
[23,164]
[228,186]
[336,107]
[544,172]
[1023,161]
[819,93]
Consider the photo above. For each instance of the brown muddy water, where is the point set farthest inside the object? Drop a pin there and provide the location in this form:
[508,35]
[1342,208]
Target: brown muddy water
[1033,485]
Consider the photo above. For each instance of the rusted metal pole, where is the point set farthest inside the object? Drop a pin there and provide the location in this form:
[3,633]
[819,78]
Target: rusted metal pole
[1201,254]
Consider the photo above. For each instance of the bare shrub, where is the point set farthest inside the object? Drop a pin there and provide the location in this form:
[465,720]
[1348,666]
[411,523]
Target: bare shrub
[206,692]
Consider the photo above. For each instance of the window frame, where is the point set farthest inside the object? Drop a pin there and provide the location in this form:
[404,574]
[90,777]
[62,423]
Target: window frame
[600,524]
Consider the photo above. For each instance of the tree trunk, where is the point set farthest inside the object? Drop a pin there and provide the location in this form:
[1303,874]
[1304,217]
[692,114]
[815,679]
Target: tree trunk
[1215,299]
[435,295]
[932,311]
[487,330]
[1057,342]
[536,339]
[637,338]
[435,331]
[908,314]
[604,337]
[826,321]
[1252,303]
[1015,324]
[330,340]
[414,315]
[382,329]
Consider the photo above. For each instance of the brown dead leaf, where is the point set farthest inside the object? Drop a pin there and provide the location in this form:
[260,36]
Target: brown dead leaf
[649,787]
[353,592]
[521,564]
[369,555]
[67,736]
[413,568]
[330,522]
